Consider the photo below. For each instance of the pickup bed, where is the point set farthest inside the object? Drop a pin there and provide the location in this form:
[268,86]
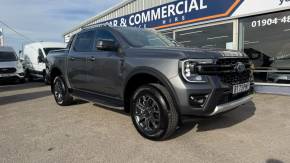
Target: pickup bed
[143,72]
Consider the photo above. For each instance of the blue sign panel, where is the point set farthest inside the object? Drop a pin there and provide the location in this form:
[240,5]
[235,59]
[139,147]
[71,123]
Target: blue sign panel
[178,13]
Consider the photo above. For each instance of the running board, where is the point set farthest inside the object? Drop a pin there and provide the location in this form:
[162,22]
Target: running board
[99,100]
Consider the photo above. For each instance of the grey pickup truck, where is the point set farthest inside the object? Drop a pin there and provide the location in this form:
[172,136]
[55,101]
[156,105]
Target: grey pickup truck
[148,75]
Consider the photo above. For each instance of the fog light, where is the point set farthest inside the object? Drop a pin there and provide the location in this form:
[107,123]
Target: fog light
[198,100]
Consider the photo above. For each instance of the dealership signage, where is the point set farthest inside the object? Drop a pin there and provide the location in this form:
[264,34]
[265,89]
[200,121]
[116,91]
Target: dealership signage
[178,12]
[284,1]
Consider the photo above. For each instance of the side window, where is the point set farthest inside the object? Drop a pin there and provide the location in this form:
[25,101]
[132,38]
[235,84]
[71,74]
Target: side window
[103,34]
[84,42]
[40,53]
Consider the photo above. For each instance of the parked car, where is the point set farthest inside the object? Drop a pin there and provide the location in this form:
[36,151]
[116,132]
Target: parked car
[34,58]
[10,67]
[146,74]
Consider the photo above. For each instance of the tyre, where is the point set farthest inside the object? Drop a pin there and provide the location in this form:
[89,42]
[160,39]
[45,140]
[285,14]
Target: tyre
[60,92]
[45,79]
[22,80]
[28,76]
[153,112]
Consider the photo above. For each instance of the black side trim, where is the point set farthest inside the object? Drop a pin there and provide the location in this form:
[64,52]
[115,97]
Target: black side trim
[97,98]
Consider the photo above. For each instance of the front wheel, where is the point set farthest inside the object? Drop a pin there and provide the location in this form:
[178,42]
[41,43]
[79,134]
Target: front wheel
[153,112]
[60,92]
[28,76]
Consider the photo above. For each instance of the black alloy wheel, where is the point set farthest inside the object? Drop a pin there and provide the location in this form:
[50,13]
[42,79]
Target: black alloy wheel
[147,113]
[60,92]
[153,112]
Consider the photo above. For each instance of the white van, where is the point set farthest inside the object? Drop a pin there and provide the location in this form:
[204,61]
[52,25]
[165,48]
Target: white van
[34,58]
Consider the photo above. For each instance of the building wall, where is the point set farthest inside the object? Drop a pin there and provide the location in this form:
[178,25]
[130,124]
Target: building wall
[122,9]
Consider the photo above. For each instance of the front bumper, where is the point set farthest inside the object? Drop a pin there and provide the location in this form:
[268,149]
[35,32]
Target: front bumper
[231,105]
[219,97]
[11,76]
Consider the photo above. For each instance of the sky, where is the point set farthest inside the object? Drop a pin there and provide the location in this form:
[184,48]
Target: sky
[46,20]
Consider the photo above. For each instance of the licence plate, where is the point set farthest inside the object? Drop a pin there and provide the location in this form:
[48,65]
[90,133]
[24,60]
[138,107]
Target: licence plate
[241,88]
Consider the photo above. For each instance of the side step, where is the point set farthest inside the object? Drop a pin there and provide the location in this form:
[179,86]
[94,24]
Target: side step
[99,99]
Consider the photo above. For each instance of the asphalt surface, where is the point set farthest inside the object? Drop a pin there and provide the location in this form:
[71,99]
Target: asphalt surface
[34,129]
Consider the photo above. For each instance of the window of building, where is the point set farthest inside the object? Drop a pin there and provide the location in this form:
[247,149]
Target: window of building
[216,36]
[168,34]
[266,40]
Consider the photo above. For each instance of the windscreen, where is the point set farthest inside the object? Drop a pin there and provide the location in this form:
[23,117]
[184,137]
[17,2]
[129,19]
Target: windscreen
[47,50]
[145,37]
[7,56]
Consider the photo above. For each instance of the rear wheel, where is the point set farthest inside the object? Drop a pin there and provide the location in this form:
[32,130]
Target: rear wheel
[22,80]
[153,112]
[60,92]
[45,78]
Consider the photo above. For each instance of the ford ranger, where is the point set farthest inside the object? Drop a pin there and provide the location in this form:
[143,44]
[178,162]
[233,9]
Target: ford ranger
[143,72]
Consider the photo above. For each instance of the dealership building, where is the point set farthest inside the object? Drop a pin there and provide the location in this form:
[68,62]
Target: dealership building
[260,28]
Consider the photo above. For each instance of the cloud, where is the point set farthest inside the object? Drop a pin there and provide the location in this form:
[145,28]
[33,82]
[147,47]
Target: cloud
[43,20]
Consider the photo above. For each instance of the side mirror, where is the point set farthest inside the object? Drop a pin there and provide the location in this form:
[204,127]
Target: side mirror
[109,45]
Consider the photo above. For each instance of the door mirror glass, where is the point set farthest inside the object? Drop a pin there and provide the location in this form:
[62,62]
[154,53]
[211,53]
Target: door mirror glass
[108,45]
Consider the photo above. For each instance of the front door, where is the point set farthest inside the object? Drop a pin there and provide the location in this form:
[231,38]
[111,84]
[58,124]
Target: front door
[103,68]
[77,60]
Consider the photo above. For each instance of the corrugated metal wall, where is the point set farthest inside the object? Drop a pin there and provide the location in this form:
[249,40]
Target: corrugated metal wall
[129,7]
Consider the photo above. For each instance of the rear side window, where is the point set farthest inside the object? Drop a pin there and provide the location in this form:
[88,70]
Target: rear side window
[84,42]
[7,56]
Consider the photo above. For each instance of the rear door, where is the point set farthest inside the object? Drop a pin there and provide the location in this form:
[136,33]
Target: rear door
[77,59]
[103,67]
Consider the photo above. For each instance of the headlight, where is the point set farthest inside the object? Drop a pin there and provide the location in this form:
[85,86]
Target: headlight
[189,70]
[19,66]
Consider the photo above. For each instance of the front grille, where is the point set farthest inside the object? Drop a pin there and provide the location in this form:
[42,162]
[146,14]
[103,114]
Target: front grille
[235,78]
[225,69]
[7,70]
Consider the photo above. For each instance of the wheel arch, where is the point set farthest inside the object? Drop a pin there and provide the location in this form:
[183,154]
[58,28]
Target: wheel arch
[151,75]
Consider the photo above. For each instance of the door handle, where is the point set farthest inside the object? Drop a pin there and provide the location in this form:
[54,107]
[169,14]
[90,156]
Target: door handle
[92,59]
